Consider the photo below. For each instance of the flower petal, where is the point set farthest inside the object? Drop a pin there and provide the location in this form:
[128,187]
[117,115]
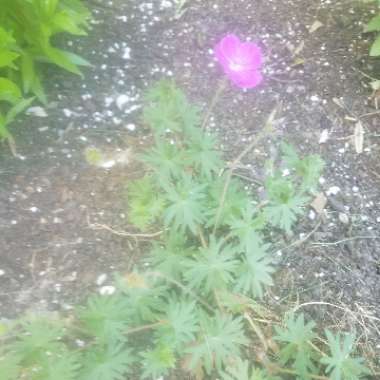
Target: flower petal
[249,55]
[226,49]
[245,79]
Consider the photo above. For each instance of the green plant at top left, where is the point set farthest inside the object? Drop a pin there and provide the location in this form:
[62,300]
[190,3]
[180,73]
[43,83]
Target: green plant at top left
[26,31]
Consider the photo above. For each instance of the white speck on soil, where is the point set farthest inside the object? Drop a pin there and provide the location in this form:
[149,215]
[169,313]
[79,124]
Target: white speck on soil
[107,290]
[127,53]
[67,112]
[34,209]
[131,127]
[324,136]
[101,279]
[2,272]
[333,190]
[344,218]
[122,100]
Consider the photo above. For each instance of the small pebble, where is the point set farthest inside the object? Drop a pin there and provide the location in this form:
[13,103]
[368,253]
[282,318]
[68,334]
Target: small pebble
[36,111]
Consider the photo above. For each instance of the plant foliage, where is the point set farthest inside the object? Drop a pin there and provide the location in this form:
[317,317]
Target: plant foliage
[27,28]
[189,305]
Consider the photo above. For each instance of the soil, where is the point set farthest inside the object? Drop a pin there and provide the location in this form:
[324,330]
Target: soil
[317,69]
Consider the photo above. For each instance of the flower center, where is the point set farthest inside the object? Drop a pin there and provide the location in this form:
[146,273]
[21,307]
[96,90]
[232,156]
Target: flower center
[236,66]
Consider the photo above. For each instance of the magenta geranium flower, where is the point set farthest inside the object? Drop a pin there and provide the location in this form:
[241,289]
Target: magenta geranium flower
[241,61]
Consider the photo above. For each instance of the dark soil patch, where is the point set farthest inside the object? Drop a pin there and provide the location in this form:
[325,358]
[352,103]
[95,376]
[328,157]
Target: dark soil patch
[50,257]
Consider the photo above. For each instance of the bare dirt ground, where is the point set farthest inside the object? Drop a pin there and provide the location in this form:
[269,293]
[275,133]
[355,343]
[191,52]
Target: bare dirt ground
[317,68]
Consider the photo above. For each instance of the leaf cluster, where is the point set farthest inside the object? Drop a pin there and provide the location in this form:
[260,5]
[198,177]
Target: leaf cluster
[187,306]
[26,31]
[374,26]
[288,194]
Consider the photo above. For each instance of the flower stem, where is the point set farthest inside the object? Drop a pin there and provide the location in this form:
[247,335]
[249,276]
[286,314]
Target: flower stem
[264,133]
[219,90]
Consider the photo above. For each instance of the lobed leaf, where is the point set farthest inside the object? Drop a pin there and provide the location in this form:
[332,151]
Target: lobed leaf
[213,268]
[221,339]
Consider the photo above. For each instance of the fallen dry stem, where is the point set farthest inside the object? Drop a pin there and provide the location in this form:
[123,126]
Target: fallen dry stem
[99,226]
[345,240]
[305,238]
[363,318]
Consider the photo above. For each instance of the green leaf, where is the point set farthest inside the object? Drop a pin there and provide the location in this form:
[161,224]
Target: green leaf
[169,257]
[105,317]
[145,202]
[185,208]
[145,295]
[220,340]
[375,48]
[38,89]
[110,362]
[203,156]
[236,199]
[62,59]
[50,7]
[17,109]
[9,366]
[4,133]
[181,324]
[254,271]
[63,21]
[247,226]
[297,335]
[165,159]
[168,110]
[373,25]
[240,370]
[59,366]
[213,268]
[9,91]
[7,57]
[157,362]
[340,364]
[283,203]
[27,71]
[6,38]
[39,335]
[76,59]
[309,168]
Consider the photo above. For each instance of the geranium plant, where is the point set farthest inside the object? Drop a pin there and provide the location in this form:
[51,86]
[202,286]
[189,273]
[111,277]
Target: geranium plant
[193,303]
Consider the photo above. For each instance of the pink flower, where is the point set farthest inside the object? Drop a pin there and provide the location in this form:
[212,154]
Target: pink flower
[241,61]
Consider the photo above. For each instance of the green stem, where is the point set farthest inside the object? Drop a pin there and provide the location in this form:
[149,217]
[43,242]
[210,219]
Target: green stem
[184,288]
[264,133]
[219,90]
